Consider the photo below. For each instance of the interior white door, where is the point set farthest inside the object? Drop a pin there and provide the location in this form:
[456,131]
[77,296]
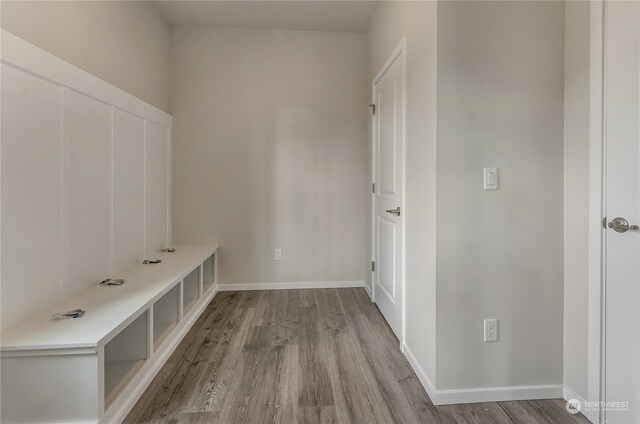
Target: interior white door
[622,246]
[388,93]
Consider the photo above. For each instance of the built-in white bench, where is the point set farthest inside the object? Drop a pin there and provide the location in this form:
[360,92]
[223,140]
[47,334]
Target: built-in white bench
[93,369]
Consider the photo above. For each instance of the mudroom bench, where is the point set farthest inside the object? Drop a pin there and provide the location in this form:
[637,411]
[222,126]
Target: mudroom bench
[94,368]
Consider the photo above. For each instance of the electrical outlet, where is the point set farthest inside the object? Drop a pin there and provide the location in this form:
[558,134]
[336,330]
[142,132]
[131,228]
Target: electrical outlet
[278,255]
[491,330]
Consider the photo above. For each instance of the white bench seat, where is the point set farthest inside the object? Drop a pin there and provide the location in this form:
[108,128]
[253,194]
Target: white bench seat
[93,368]
[108,308]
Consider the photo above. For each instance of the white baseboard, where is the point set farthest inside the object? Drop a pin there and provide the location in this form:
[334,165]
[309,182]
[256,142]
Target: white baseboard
[482,394]
[368,290]
[121,407]
[498,394]
[422,376]
[279,286]
[592,415]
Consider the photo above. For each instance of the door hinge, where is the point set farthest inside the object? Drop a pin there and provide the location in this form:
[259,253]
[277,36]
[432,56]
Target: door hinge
[373,108]
[373,266]
[373,187]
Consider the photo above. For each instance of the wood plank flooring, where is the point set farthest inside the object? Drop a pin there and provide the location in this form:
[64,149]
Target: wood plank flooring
[305,356]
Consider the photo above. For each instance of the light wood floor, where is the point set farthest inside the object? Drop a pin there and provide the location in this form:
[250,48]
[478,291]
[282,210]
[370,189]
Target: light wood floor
[305,356]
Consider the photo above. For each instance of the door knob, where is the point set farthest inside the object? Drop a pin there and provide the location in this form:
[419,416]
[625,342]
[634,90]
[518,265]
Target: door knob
[395,211]
[621,225]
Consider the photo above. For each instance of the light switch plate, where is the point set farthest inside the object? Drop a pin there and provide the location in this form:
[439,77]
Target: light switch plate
[490,178]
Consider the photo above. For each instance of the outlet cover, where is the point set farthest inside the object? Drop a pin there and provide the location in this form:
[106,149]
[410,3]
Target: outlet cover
[278,255]
[491,330]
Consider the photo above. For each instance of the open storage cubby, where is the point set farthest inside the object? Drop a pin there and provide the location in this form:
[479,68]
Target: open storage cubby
[94,368]
[208,272]
[166,313]
[190,289]
[124,355]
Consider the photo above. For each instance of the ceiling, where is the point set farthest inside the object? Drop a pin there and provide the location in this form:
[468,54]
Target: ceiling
[310,15]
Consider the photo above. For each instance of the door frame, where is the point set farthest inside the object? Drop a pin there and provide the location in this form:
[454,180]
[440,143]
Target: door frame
[400,50]
[596,325]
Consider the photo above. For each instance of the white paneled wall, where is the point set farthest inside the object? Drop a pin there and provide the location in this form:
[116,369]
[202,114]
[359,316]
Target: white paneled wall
[85,179]
[86,191]
[157,154]
[31,187]
[128,189]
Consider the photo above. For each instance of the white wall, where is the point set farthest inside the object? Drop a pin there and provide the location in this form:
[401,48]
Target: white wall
[418,22]
[76,206]
[500,253]
[576,194]
[269,151]
[125,43]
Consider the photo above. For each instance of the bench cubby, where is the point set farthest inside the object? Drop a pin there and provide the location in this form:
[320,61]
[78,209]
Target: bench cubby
[93,369]
[190,290]
[166,315]
[209,269]
[124,355]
